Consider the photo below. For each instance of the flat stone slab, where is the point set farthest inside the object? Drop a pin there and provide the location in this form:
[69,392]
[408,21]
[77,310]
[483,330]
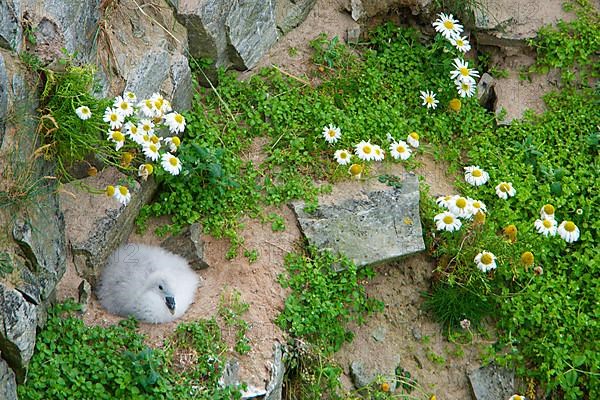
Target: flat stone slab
[369,227]
[492,383]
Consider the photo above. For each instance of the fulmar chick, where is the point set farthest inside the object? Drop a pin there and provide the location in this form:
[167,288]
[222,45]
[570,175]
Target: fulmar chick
[148,283]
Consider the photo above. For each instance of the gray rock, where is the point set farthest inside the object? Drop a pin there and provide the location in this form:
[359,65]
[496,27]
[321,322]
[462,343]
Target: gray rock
[492,383]
[275,385]
[84,291]
[486,93]
[291,13]
[353,35]
[17,338]
[362,376]
[379,333]
[10,25]
[416,332]
[8,385]
[380,226]
[251,31]
[97,225]
[510,23]
[189,245]
[363,9]
[229,33]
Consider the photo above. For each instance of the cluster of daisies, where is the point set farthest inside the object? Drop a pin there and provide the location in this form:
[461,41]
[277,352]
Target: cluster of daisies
[547,225]
[366,151]
[151,124]
[462,76]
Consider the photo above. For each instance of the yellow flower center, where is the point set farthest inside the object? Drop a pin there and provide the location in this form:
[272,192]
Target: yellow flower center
[153,148]
[510,230]
[527,258]
[331,133]
[85,110]
[114,117]
[158,103]
[367,149]
[174,161]
[118,136]
[461,202]
[486,258]
[148,104]
[480,217]
[448,219]
[549,209]
[517,397]
[547,224]
[123,190]
[179,118]
[400,149]
[154,139]
[414,135]
[146,127]
[504,187]
[465,87]
[460,43]
[429,100]
[455,104]
[124,105]
[149,168]
[176,141]
[355,169]
[448,24]
[343,155]
[464,71]
[110,190]
[133,130]
[476,173]
[476,204]
[570,226]
[127,157]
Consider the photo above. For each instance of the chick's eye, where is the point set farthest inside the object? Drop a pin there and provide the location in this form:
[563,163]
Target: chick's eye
[160,287]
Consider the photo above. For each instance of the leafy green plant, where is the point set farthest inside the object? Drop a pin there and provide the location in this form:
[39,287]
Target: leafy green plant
[323,300]
[331,53]
[231,308]
[277,222]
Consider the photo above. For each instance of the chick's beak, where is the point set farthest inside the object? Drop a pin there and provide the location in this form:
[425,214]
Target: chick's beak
[170,302]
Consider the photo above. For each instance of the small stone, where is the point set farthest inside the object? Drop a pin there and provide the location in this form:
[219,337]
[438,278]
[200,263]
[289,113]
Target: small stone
[189,245]
[379,333]
[84,290]
[353,35]
[416,332]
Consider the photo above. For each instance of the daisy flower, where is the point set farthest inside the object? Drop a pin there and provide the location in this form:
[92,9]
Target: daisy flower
[461,43]
[342,156]
[132,131]
[113,117]
[476,176]
[429,99]
[146,127]
[447,25]
[331,133]
[145,170]
[447,221]
[173,143]
[171,164]
[476,206]
[444,201]
[116,137]
[485,261]
[147,109]
[460,207]
[505,190]
[123,107]
[547,211]
[413,139]
[400,150]
[465,88]
[517,397]
[379,153]
[546,226]
[463,72]
[122,194]
[151,151]
[175,121]
[130,97]
[568,231]
[83,112]
[365,151]
[159,103]
[355,170]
